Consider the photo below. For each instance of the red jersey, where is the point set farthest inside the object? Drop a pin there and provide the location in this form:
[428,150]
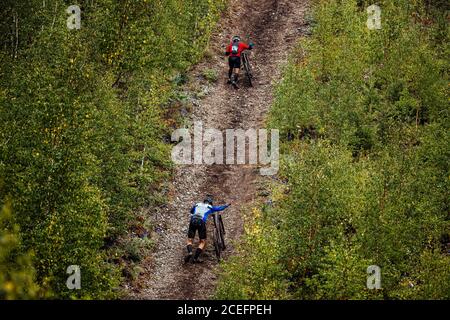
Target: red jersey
[242,46]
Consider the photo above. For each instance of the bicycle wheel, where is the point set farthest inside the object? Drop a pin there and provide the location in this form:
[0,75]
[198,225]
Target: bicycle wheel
[248,70]
[216,240]
[222,232]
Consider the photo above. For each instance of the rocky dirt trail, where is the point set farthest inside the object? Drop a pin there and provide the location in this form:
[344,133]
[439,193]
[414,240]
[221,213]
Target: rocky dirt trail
[274,26]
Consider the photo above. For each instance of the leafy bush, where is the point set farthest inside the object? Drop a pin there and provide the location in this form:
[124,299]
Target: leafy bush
[16,269]
[211,75]
[364,121]
[137,248]
[82,113]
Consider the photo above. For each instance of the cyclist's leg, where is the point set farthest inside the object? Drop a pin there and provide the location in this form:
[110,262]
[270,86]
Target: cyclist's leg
[237,68]
[191,236]
[188,257]
[199,250]
[230,69]
[189,245]
[234,63]
[202,244]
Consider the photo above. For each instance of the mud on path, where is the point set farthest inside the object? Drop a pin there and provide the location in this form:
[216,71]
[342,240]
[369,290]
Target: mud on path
[274,26]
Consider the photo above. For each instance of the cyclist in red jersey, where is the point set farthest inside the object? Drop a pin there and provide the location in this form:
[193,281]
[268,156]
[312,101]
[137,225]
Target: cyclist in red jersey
[233,51]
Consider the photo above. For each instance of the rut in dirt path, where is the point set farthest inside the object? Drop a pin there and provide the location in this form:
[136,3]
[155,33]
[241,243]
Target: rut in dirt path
[274,26]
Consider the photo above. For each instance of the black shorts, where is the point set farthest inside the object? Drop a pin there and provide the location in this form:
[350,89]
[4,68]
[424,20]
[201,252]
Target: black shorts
[234,62]
[197,224]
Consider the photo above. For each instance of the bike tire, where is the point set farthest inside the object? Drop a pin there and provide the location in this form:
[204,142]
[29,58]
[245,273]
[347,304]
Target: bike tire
[248,70]
[222,232]
[216,240]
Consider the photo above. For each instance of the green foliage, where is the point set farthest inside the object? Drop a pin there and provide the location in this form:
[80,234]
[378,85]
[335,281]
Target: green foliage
[137,248]
[341,275]
[364,119]
[254,274]
[211,75]
[82,113]
[16,269]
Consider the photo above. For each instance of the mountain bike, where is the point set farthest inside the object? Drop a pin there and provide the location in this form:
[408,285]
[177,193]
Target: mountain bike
[247,67]
[218,235]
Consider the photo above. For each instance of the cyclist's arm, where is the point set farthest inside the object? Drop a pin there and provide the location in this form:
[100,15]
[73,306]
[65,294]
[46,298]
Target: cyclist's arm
[215,209]
[228,50]
[193,210]
[246,46]
[219,208]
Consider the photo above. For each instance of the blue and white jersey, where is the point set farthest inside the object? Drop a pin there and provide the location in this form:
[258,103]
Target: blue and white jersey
[203,210]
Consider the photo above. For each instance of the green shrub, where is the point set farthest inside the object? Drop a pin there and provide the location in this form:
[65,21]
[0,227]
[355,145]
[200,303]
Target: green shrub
[81,145]
[211,75]
[17,275]
[364,122]
[136,248]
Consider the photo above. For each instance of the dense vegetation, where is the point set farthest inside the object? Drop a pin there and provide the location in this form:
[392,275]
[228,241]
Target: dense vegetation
[82,132]
[364,175]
